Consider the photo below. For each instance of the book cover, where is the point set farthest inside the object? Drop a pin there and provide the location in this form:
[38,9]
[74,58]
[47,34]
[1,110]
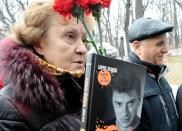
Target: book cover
[113,94]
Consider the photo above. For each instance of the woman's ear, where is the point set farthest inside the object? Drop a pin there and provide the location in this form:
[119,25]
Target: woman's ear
[137,47]
[39,47]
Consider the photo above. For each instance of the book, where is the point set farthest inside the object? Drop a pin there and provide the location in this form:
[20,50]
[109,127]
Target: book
[113,94]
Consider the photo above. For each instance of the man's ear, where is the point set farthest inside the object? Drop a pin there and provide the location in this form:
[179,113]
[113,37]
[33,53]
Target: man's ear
[137,47]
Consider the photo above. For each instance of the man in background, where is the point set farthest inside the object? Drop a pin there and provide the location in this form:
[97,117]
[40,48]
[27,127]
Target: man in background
[147,39]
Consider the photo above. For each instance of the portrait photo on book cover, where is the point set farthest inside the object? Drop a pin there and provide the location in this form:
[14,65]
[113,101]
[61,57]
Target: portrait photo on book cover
[127,95]
[114,90]
[125,92]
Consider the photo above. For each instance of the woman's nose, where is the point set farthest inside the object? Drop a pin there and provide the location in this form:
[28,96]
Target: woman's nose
[81,48]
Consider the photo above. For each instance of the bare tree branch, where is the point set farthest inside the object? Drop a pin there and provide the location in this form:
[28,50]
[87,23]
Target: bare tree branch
[4,19]
[124,1]
[179,4]
[11,12]
[21,4]
[13,20]
[139,9]
[107,24]
[146,5]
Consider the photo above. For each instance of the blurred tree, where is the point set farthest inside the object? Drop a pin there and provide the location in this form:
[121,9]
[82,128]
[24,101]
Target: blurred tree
[139,9]
[175,22]
[107,24]
[10,13]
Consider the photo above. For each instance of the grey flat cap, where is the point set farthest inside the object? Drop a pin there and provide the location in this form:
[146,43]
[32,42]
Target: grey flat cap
[144,28]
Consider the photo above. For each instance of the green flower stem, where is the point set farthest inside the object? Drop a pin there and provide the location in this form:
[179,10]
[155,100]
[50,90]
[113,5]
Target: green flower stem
[101,49]
[90,36]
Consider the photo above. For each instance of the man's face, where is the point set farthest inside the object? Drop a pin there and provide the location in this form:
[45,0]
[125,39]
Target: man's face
[125,106]
[152,50]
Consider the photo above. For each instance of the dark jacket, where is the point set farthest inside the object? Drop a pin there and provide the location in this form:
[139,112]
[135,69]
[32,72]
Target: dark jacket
[179,106]
[33,99]
[158,111]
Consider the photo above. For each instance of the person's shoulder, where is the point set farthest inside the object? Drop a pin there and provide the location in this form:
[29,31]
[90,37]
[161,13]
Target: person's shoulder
[8,111]
[179,92]
[180,87]
[5,45]
[10,117]
[6,42]
[5,103]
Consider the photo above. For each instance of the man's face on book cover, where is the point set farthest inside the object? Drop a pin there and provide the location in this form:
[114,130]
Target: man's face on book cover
[125,106]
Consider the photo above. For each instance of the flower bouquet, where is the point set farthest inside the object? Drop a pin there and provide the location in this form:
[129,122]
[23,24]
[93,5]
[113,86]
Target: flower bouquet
[80,8]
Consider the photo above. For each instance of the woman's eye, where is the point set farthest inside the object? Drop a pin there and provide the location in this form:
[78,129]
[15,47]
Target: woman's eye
[70,35]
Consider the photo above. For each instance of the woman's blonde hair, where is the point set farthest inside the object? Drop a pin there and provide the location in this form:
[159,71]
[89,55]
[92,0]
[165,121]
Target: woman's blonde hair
[36,23]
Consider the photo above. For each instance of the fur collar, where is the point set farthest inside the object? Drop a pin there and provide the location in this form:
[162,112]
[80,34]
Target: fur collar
[31,83]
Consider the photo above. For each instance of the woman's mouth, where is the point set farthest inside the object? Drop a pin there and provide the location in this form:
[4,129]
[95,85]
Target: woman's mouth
[79,63]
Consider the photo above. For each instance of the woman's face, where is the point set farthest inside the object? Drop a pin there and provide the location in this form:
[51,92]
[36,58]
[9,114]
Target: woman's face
[63,44]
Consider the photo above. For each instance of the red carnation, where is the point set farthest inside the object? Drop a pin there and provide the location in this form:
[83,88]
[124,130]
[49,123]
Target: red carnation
[64,7]
[94,2]
[82,3]
[105,3]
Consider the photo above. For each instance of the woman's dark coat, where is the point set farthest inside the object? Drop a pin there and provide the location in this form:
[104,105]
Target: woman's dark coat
[34,100]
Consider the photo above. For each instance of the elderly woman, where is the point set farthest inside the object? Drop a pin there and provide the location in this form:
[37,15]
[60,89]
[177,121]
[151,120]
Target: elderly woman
[42,66]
